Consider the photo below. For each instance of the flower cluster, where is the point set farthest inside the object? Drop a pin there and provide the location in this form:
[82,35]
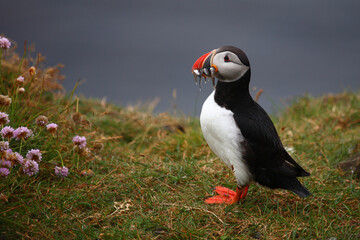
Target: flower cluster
[41,120]
[79,141]
[5,163]
[4,172]
[30,164]
[4,43]
[52,127]
[5,100]
[34,154]
[14,157]
[7,132]
[19,137]
[61,171]
[4,146]
[30,167]
[20,80]
[22,133]
[4,118]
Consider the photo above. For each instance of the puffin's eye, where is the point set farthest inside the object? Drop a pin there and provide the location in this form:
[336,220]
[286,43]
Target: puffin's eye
[226,59]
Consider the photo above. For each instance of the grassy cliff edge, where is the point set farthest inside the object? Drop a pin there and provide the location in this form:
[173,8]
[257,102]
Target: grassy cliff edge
[144,175]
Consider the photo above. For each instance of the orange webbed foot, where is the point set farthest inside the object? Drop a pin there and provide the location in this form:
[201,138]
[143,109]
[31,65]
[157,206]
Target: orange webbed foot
[227,195]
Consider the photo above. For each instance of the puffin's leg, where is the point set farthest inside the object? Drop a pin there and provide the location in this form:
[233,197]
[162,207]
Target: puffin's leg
[228,196]
[244,192]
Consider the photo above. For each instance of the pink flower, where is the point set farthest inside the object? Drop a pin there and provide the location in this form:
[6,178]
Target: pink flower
[5,43]
[4,118]
[20,80]
[7,132]
[4,172]
[4,145]
[19,158]
[80,142]
[30,167]
[5,163]
[22,133]
[14,157]
[52,127]
[34,154]
[61,171]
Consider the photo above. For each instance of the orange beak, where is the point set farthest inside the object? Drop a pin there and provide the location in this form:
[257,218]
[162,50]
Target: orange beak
[202,66]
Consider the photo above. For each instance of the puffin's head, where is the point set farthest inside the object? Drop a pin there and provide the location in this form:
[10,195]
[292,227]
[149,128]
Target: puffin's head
[228,64]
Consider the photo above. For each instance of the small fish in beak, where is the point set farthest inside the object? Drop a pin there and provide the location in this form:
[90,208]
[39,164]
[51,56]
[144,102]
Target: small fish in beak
[203,68]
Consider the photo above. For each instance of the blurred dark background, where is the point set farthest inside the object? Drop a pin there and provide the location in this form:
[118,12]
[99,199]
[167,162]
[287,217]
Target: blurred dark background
[132,51]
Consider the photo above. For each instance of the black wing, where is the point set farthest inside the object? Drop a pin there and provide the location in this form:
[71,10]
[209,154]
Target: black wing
[265,155]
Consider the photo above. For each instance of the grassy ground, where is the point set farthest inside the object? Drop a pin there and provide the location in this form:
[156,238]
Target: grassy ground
[151,172]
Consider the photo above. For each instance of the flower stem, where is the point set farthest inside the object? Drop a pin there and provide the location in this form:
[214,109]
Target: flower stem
[77,105]
[21,142]
[62,162]
[77,161]
[38,133]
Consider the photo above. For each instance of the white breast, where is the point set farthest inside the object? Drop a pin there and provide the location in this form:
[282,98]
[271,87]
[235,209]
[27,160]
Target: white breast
[224,137]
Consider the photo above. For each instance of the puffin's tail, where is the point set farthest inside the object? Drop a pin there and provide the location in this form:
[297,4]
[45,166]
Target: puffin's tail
[295,186]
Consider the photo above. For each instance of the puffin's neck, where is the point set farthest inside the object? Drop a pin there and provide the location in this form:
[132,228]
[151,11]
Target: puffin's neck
[231,94]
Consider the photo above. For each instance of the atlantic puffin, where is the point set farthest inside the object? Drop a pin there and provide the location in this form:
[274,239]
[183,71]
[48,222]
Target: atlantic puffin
[240,132]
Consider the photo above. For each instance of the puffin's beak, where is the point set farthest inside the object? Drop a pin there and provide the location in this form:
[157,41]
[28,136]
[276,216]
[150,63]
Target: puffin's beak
[203,67]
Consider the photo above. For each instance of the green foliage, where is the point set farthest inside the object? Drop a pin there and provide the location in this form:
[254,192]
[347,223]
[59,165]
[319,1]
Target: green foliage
[150,173]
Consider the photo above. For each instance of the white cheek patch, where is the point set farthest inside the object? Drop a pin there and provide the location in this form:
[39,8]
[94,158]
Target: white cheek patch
[229,71]
[232,71]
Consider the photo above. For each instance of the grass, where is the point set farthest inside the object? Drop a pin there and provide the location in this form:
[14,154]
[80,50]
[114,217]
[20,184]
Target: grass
[151,172]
